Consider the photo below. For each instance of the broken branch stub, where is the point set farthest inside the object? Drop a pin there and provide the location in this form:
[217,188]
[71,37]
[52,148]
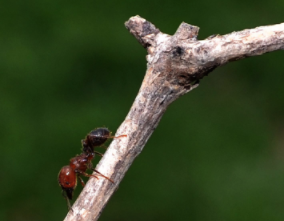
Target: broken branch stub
[168,75]
[175,66]
[182,60]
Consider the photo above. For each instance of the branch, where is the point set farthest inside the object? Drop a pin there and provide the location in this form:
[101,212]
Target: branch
[175,66]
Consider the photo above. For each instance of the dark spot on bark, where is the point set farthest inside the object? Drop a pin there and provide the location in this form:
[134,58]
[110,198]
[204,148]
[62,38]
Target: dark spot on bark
[192,77]
[207,70]
[148,28]
[147,45]
[186,80]
[177,51]
[187,87]
[118,165]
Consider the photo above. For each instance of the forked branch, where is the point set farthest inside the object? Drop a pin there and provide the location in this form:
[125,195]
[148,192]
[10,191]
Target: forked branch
[175,66]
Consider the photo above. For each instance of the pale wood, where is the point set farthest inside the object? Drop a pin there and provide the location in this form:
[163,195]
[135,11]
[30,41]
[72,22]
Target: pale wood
[175,66]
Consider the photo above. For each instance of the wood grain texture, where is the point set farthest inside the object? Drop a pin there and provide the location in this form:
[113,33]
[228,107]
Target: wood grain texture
[175,66]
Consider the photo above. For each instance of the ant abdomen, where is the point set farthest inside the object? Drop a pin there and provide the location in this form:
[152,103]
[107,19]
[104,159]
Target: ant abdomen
[98,136]
[95,138]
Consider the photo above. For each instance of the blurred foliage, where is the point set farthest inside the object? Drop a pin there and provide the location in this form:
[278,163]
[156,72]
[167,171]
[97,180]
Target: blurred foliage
[68,67]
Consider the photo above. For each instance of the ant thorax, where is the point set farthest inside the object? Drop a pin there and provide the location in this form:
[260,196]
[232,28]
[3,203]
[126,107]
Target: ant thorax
[81,163]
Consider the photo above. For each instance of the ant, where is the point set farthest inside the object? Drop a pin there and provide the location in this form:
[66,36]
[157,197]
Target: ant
[68,175]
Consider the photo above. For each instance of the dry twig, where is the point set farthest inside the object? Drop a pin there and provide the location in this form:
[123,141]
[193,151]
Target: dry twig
[175,66]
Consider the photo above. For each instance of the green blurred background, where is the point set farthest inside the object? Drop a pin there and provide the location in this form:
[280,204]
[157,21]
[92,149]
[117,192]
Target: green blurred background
[70,66]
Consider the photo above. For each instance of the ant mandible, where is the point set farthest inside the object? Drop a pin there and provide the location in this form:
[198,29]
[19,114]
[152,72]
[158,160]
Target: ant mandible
[67,177]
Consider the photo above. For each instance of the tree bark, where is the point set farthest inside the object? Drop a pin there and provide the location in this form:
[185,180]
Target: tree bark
[175,66]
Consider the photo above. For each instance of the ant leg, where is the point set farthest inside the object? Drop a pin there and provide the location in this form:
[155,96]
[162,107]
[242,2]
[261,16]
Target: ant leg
[103,146]
[91,175]
[68,201]
[98,153]
[102,175]
[81,181]
[113,137]
[88,175]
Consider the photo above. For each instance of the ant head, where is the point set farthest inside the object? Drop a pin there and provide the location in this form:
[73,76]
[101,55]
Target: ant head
[68,192]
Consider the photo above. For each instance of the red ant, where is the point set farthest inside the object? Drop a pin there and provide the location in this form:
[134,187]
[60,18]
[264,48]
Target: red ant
[67,177]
